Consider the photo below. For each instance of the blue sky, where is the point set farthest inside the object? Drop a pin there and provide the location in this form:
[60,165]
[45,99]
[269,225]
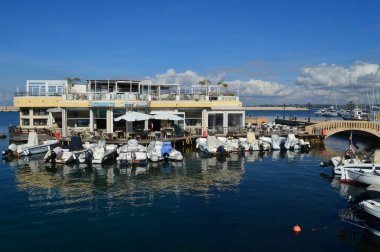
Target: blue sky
[237,41]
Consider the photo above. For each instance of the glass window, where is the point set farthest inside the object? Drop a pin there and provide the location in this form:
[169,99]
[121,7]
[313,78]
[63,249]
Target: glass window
[40,112]
[235,120]
[25,122]
[24,111]
[215,120]
[39,122]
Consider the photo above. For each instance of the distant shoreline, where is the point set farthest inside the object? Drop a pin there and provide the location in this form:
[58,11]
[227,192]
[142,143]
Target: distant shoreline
[274,108]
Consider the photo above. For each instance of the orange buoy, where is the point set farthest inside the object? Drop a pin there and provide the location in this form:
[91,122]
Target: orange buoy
[297,229]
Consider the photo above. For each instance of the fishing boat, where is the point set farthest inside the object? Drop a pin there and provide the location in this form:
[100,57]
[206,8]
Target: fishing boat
[66,155]
[33,146]
[132,152]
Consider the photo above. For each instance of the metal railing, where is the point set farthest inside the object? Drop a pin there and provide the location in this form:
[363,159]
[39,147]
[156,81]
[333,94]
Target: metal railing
[26,93]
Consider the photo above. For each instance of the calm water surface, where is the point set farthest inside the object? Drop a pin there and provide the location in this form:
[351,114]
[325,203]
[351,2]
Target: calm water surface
[243,203]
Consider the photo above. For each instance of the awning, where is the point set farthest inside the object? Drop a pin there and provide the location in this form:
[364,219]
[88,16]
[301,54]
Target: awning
[54,110]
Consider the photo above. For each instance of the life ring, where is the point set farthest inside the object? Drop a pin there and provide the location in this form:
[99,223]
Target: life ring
[188,140]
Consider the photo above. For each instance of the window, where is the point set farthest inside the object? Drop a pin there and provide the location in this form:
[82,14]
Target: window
[40,112]
[215,122]
[235,120]
[25,122]
[39,122]
[24,111]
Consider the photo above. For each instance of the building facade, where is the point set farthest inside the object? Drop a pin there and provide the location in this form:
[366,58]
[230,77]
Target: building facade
[61,107]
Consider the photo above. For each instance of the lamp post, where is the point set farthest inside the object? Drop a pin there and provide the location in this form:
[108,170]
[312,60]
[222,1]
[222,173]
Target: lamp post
[284,112]
[308,107]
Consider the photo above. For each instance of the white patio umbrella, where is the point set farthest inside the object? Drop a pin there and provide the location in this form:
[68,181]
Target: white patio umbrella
[167,116]
[133,116]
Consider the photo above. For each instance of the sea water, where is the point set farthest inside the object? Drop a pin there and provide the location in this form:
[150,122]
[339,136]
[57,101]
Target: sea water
[246,202]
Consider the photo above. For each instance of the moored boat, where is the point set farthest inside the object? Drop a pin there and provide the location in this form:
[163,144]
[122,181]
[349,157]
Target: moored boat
[132,152]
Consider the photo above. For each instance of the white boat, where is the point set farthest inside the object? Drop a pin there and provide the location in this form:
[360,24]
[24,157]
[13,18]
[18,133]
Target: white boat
[243,144]
[227,145]
[87,156]
[253,142]
[372,207]
[63,156]
[32,147]
[153,151]
[132,152]
[362,172]
[349,158]
[104,152]
[371,215]
[276,141]
[168,152]
[234,145]
[291,143]
[305,145]
[211,146]
[364,176]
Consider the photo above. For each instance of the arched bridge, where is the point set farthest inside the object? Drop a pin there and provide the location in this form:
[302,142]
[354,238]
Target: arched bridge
[329,128]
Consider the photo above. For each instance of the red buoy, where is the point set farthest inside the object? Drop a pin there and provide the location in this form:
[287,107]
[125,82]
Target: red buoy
[297,229]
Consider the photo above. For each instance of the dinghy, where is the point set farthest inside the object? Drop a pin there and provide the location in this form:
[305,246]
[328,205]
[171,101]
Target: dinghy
[371,209]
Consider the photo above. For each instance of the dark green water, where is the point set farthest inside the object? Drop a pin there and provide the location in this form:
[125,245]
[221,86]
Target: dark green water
[244,203]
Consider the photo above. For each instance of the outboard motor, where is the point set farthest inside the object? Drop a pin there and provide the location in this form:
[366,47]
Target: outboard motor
[51,157]
[221,151]
[88,156]
[282,146]
[10,153]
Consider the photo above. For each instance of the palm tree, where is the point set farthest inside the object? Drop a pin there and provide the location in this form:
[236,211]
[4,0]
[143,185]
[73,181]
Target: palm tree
[204,83]
[71,82]
[225,86]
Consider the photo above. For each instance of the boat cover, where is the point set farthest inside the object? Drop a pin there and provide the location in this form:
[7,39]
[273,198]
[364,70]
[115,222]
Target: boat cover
[212,142]
[166,148]
[32,139]
[251,137]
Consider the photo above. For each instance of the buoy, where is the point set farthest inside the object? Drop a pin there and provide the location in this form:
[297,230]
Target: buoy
[188,140]
[297,229]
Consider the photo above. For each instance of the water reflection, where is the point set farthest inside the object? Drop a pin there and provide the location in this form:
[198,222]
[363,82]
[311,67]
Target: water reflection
[75,187]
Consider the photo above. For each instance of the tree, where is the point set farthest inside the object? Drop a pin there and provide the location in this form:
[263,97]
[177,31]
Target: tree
[225,85]
[204,83]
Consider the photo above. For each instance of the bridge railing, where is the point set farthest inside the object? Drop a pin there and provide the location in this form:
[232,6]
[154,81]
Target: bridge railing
[332,127]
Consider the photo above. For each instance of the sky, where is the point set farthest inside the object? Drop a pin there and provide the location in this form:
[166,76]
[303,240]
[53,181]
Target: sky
[270,52]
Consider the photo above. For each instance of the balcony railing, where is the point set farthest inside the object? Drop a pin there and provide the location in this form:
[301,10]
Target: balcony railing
[26,93]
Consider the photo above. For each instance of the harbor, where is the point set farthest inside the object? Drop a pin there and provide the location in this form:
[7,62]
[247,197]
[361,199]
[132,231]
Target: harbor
[108,199]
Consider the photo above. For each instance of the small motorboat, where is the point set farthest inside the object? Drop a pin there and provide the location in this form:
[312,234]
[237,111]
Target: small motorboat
[371,209]
[227,144]
[211,146]
[66,155]
[132,152]
[291,143]
[3,135]
[168,152]
[254,144]
[243,144]
[33,147]
[276,142]
[103,152]
[153,151]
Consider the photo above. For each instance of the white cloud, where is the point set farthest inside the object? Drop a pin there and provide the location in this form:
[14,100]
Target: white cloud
[333,76]
[316,84]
